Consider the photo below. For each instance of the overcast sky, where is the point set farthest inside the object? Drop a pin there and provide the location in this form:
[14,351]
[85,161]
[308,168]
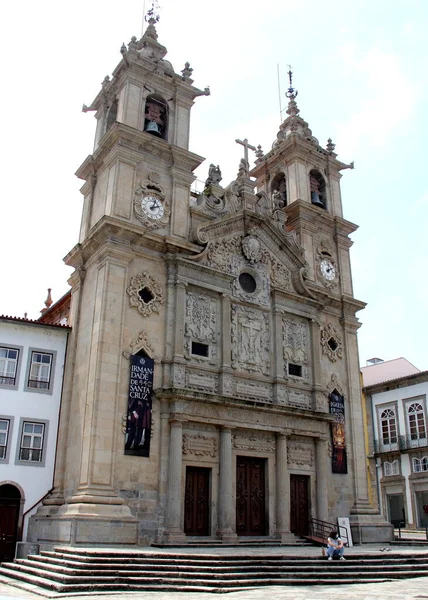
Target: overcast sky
[361,71]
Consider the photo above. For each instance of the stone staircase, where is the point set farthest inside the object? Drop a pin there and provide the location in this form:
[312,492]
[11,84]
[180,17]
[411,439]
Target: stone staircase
[72,570]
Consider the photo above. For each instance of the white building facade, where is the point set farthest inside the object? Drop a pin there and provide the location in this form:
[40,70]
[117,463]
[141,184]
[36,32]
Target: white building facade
[398,411]
[32,357]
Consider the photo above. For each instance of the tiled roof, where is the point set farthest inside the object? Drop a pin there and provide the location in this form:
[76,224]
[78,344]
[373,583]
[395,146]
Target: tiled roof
[387,371]
[31,322]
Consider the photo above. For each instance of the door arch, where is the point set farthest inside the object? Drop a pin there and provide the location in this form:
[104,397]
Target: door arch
[10,504]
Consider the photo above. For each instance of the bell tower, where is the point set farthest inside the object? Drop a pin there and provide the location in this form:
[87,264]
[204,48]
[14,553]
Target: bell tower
[141,168]
[136,207]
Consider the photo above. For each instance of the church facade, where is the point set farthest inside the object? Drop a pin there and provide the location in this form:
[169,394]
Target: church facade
[212,387]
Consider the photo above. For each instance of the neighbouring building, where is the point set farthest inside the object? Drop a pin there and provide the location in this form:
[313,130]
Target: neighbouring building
[212,387]
[396,403]
[32,357]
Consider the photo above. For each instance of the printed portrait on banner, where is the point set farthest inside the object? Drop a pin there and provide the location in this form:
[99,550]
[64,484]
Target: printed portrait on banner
[139,416]
[337,408]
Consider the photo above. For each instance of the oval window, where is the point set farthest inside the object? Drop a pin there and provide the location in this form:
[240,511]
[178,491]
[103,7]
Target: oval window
[247,283]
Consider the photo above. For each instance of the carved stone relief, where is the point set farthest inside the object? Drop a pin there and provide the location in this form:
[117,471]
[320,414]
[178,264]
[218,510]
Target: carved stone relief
[200,445]
[145,294]
[299,399]
[260,442]
[300,454]
[295,334]
[280,276]
[331,342]
[201,324]
[261,293]
[201,381]
[250,340]
[179,376]
[252,248]
[256,391]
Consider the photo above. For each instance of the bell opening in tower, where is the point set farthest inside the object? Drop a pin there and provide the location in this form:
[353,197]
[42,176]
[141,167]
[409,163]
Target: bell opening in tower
[318,189]
[156,116]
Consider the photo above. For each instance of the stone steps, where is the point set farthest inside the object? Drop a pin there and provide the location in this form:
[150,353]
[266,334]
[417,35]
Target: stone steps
[71,570]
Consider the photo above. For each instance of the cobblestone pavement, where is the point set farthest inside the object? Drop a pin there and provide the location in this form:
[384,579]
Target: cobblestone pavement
[403,589]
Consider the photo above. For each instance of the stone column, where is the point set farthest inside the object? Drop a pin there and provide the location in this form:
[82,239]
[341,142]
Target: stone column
[322,459]
[282,491]
[225,493]
[226,377]
[173,532]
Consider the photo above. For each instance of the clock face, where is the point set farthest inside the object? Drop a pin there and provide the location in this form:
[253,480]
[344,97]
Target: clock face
[328,270]
[152,206]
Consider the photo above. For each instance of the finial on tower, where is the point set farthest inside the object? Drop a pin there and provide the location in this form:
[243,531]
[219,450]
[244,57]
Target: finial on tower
[152,15]
[291,92]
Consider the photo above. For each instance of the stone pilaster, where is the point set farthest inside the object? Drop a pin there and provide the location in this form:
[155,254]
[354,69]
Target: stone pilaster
[321,447]
[226,506]
[282,491]
[318,398]
[173,532]
[226,383]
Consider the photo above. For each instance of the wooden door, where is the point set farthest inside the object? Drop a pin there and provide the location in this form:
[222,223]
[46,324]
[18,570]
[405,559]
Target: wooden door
[10,500]
[250,496]
[299,504]
[196,501]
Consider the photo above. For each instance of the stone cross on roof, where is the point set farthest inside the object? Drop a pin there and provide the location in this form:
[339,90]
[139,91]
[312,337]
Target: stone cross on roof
[246,146]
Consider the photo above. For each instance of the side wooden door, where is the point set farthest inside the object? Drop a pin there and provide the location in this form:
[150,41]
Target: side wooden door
[10,500]
[196,501]
[299,504]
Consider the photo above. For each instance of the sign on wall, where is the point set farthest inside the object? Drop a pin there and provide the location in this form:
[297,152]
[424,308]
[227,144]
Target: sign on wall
[337,408]
[139,417]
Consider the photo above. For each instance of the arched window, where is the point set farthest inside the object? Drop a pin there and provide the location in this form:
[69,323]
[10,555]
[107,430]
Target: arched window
[388,425]
[278,190]
[420,464]
[391,468]
[156,116]
[111,114]
[318,189]
[416,417]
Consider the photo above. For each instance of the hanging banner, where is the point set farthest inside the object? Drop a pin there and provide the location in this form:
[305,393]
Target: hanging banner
[338,459]
[139,418]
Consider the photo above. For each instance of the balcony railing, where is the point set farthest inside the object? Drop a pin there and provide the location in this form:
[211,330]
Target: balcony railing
[399,444]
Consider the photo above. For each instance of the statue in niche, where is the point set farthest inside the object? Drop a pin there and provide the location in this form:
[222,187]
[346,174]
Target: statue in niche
[279,192]
[214,175]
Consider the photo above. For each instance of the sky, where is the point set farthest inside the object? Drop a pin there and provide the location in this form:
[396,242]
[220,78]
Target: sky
[359,66]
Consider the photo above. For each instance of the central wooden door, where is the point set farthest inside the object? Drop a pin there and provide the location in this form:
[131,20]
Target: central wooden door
[10,501]
[196,501]
[250,496]
[299,504]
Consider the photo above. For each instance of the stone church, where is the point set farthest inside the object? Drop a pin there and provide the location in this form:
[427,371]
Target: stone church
[212,386]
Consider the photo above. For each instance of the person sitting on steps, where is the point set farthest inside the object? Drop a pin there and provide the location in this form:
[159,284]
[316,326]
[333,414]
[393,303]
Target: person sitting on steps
[335,546]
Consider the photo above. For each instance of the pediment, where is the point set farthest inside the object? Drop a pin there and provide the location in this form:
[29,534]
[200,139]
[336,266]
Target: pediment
[261,247]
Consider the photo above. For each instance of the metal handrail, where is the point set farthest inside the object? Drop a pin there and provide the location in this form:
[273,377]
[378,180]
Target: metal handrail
[400,442]
[321,529]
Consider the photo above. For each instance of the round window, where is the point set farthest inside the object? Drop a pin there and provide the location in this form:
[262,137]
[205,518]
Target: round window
[247,283]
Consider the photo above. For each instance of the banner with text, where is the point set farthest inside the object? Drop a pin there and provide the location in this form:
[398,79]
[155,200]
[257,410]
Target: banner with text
[337,408]
[139,418]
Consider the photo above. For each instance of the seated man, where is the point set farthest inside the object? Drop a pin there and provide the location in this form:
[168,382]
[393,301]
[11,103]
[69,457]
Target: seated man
[335,546]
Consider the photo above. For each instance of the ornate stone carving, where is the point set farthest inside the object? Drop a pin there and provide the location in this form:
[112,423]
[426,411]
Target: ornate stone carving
[221,254]
[201,323]
[252,248]
[201,381]
[227,384]
[300,455]
[331,342]
[178,375]
[200,445]
[299,399]
[260,442]
[150,188]
[295,334]
[145,294]
[250,340]
[141,342]
[258,391]
[280,276]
